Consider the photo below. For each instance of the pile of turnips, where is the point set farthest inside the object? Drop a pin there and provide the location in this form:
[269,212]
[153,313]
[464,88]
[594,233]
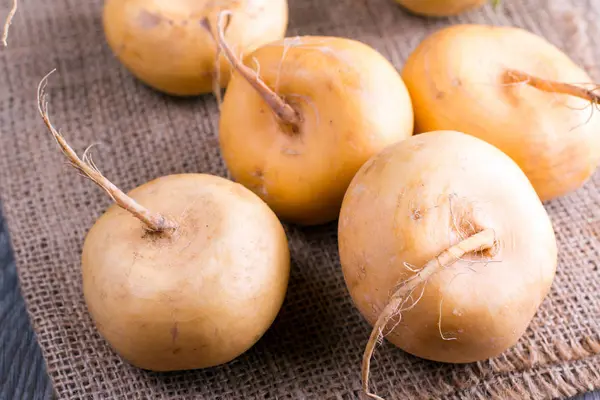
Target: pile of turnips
[430,172]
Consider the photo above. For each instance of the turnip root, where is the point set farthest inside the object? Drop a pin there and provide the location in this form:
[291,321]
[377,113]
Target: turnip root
[514,90]
[440,8]
[165,44]
[446,249]
[9,18]
[186,271]
[297,128]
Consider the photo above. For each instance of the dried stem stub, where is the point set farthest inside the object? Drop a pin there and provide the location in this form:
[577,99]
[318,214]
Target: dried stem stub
[515,76]
[480,241]
[9,18]
[85,165]
[216,83]
[283,110]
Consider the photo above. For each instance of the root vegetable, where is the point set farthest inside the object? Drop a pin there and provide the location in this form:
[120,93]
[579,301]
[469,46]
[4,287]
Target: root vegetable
[440,8]
[514,90]
[297,128]
[446,249]
[9,18]
[186,271]
[165,44]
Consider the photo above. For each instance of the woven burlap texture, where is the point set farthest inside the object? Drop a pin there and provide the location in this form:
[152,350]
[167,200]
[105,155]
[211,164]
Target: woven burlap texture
[314,348]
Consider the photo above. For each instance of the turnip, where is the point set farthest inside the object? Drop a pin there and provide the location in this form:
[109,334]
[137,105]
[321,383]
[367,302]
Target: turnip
[9,18]
[446,249]
[514,90]
[186,271]
[297,128]
[165,44]
[441,8]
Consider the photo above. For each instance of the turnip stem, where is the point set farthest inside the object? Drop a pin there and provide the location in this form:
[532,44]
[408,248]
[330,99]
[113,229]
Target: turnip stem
[478,242]
[154,222]
[283,110]
[9,18]
[514,76]
[216,81]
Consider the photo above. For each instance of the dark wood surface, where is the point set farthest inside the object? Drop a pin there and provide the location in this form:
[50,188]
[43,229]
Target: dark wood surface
[22,369]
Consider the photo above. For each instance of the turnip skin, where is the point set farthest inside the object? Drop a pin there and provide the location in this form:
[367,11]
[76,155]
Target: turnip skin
[457,80]
[397,211]
[440,8]
[351,103]
[163,43]
[187,271]
[194,300]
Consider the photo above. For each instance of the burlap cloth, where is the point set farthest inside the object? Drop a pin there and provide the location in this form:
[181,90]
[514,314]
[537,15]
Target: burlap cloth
[314,348]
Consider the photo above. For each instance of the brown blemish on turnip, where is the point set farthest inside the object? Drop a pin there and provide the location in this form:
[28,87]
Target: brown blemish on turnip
[368,167]
[206,25]
[259,188]
[362,272]
[148,20]
[375,310]
[416,214]
[174,333]
[290,152]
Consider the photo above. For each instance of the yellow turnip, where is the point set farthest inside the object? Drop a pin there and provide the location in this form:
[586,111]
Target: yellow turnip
[186,271]
[297,128]
[446,249]
[514,90]
[166,44]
